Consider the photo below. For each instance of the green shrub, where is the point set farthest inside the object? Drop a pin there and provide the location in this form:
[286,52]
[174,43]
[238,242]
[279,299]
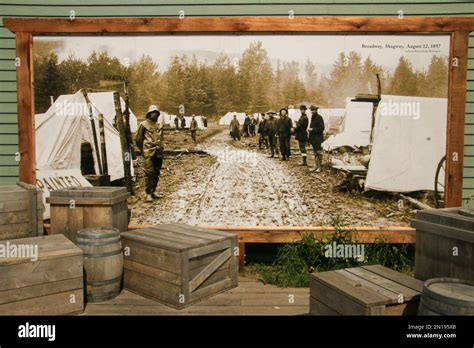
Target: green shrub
[295,262]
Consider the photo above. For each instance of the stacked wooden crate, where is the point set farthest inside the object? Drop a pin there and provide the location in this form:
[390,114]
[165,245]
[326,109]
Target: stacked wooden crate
[21,211]
[40,276]
[179,265]
[444,243]
[73,209]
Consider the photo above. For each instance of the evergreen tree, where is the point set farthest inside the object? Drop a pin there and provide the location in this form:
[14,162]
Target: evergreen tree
[50,84]
[404,79]
[436,79]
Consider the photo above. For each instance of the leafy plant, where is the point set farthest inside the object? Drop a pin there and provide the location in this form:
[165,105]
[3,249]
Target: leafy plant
[295,262]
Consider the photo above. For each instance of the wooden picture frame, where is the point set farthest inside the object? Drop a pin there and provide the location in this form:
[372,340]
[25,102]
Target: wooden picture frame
[457,27]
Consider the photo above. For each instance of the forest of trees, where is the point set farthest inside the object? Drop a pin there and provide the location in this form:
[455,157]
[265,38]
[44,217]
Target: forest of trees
[247,84]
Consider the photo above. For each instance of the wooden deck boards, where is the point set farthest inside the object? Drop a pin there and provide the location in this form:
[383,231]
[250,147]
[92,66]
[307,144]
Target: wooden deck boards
[249,298]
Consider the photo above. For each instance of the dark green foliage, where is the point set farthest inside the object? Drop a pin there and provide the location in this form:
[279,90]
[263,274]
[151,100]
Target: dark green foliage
[295,262]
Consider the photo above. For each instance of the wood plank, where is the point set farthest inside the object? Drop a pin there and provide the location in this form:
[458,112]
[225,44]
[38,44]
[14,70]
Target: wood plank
[151,241]
[181,243]
[34,273]
[358,281]
[20,294]
[188,230]
[152,271]
[318,308]
[397,277]
[148,255]
[407,293]
[26,122]
[212,290]
[209,248]
[364,297]
[291,234]
[456,119]
[55,304]
[239,24]
[102,309]
[333,295]
[153,288]
[209,269]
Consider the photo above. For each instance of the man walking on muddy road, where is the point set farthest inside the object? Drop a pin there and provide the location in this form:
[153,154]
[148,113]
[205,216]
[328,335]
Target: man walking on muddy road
[301,134]
[235,128]
[316,136]
[284,134]
[262,139]
[271,132]
[149,140]
[193,128]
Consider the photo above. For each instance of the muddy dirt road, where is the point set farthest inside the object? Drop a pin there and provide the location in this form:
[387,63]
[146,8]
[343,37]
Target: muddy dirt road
[236,184]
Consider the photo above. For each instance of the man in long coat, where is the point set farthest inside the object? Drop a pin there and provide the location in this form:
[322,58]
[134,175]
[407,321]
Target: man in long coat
[301,134]
[316,136]
[284,134]
[149,139]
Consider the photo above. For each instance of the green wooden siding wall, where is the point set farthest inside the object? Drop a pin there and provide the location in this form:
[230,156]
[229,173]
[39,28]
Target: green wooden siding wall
[156,8]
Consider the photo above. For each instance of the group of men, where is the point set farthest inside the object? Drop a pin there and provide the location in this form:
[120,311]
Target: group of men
[275,133]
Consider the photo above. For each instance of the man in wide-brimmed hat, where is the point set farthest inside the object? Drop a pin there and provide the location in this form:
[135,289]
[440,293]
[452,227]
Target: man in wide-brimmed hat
[316,136]
[284,134]
[301,134]
[271,132]
[149,140]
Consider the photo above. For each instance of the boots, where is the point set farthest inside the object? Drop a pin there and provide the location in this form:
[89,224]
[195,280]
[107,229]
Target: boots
[148,198]
[304,163]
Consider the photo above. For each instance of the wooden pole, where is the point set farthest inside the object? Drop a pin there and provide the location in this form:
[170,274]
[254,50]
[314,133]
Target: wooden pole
[103,148]
[456,119]
[94,132]
[126,156]
[26,115]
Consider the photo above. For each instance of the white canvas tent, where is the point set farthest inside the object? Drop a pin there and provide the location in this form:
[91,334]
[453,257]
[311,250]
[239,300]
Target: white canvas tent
[409,142]
[61,130]
[187,121]
[228,117]
[356,127]
[104,101]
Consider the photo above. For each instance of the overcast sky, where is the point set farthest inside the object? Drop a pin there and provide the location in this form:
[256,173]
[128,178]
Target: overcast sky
[321,49]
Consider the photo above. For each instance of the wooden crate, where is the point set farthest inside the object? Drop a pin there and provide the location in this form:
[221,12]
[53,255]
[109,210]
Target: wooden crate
[21,211]
[51,284]
[444,243]
[73,209]
[368,290]
[179,265]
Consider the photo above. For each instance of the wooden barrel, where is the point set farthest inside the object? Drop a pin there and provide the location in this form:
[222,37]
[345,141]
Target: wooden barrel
[103,262]
[447,296]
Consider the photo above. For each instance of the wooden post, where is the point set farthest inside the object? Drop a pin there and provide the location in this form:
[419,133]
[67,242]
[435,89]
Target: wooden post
[103,148]
[456,118]
[26,120]
[126,156]
[94,132]
[241,257]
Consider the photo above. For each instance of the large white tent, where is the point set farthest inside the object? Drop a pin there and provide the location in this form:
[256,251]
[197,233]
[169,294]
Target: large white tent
[356,127]
[187,121]
[66,124]
[104,101]
[409,142]
[227,118]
